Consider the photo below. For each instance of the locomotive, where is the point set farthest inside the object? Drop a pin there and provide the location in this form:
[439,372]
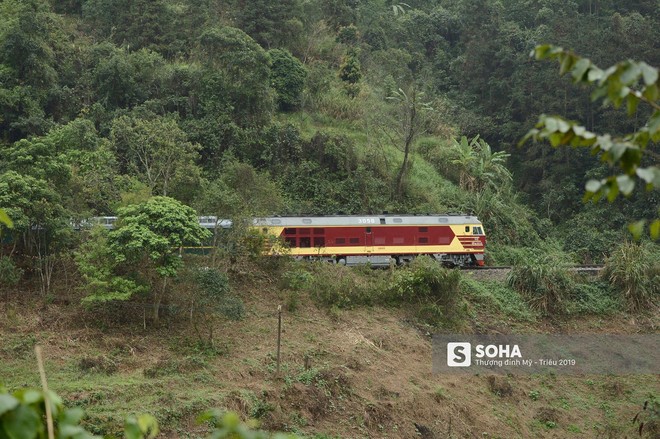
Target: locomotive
[379,240]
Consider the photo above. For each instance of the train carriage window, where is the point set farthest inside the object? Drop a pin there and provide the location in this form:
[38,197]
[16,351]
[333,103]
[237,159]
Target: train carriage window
[477,231]
[382,220]
[319,241]
[354,240]
[304,231]
[290,241]
[305,242]
[290,231]
[340,240]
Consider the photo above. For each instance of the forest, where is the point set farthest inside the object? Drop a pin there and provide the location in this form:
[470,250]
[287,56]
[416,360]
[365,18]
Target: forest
[160,111]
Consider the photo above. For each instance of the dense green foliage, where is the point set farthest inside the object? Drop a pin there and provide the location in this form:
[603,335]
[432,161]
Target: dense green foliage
[256,108]
[23,415]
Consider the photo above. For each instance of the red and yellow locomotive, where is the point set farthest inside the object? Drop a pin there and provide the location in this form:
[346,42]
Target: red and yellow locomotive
[454,240]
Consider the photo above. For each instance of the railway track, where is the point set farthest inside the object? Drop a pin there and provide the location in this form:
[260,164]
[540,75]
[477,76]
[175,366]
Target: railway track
[585,268]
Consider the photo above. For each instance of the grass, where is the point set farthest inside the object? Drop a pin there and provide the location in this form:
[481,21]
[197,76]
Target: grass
[348,366]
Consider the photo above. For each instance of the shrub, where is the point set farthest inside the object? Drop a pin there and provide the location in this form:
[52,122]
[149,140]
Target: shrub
[10,274]
[594,297]
[499,298]
[634,270]
[546,282]
[425,279]
[345,287]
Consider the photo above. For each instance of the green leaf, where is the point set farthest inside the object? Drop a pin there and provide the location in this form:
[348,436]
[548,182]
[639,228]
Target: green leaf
[22,423]
[567,63]
[541,52]
[630,74]
[72,416]
[626,184]
[595,74]
[593,186]
[654,229]
[580,69]
[637,228]
[650,175]
[4,219]
[7,402]
[143,426]
[651,92]
[649,73]
[654,123]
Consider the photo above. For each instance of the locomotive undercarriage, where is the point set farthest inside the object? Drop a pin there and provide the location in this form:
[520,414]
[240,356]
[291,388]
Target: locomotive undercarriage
[448,260]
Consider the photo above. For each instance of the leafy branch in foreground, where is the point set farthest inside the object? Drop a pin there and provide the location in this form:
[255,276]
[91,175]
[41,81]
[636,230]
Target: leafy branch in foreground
[628,82]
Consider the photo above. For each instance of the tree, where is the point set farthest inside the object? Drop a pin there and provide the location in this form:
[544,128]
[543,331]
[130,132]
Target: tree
[271,24]
[40,221]
[211,294]
[148,238]
[410,117]
[627,82]
[287,77]
[156,149]
[239,70]
[350,72]
[480,167]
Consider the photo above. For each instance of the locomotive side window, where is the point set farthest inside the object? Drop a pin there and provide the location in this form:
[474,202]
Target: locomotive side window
[290,231]
[477,231]
[354,240]
[467,229]
[340,241]
[423,229]
[368,229]
[305,243]
[303,231]
[291,241]
[319,241]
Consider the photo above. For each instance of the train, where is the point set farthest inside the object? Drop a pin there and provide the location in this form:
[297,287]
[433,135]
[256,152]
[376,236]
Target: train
[378,240]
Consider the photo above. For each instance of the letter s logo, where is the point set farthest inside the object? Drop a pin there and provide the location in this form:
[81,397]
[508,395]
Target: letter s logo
[459,354]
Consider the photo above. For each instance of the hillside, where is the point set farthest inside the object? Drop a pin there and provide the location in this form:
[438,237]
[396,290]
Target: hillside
[159,111]
[346,372]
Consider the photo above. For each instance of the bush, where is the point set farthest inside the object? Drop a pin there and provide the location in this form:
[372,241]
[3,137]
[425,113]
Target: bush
[594,297]
[498,298]
[425,280]
[345,287]
[10,274]
[634,271]
[546,283]
[214,295]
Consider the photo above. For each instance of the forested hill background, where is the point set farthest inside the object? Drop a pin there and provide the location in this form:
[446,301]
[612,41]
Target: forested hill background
[310,106]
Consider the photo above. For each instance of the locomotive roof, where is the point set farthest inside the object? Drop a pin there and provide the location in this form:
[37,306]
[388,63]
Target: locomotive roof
[365,220]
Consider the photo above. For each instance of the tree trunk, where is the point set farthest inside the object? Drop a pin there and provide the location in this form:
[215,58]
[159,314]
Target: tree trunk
[157,298]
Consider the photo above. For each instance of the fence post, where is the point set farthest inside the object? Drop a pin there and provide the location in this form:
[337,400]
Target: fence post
[279,336]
